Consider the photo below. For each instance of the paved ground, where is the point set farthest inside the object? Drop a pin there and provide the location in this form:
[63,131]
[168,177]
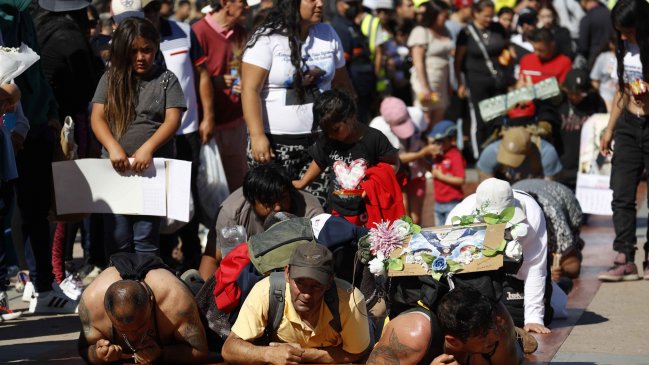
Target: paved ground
[608,324]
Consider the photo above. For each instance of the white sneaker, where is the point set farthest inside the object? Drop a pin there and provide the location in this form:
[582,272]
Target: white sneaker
[72,286]
[92,275]
[6,314]
[28,292]
[54,301]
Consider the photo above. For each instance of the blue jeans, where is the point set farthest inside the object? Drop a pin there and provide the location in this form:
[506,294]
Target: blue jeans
[442,210]
[132,233]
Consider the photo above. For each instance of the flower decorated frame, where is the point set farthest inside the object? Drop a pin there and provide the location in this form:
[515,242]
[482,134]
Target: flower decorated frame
[456,249]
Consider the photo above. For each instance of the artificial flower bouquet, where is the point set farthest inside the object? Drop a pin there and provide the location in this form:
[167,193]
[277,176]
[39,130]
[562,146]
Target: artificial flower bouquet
[474,243]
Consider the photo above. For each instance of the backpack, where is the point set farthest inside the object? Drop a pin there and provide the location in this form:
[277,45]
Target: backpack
[271,249]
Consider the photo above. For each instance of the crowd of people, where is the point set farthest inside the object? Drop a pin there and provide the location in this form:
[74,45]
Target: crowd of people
[329,115]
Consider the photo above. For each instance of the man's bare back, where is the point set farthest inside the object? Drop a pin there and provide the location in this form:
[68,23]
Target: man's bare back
[175,322]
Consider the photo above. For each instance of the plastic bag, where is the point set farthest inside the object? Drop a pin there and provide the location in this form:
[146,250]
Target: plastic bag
[68,145]
[211,183]
[13,61]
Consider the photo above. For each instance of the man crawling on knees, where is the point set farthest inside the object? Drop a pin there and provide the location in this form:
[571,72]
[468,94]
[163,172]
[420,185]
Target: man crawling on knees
[147,320]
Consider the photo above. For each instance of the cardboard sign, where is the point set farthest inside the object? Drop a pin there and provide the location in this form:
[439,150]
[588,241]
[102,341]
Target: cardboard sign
[594,175]
[499,105]
[451,242]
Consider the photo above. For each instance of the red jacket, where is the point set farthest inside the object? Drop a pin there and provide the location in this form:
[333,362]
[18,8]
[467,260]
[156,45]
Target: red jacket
[226,292]
[384,200]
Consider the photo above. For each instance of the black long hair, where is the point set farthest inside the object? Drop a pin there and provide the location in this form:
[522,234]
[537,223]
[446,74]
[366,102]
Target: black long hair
[284,19]
[121,93]
[631,14]
[432,9]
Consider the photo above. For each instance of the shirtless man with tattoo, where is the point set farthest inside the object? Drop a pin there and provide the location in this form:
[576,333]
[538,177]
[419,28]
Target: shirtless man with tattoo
[154,320]
[468,330]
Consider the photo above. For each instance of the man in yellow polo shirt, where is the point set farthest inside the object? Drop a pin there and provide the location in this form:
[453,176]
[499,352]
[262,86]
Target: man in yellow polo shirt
[305,334]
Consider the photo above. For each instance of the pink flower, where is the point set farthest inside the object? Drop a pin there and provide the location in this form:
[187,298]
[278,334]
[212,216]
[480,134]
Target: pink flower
[385,238]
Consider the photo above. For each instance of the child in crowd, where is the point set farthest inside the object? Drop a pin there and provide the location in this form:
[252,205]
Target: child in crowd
[404,126]
[347,147]
[135,114]
[448,169]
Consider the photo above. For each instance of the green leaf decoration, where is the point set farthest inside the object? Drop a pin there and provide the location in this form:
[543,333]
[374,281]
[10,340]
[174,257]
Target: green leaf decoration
[491,218]
[414,229]
[502,246]
[437,275]
[454,266]
[467,219]
[463,220]
[395,264]
[487,252]
[506,215]
[427,258]
[406,219]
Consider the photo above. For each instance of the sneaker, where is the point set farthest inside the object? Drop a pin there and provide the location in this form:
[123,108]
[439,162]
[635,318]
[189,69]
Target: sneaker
[53,301]
[89,275]
[526,340]
[28,292]
[6,314]
[620,272]
[72,286]
[22,278]
[645,270]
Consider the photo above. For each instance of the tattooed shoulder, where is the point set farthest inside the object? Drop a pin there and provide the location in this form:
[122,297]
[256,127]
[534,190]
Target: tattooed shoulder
[390,354]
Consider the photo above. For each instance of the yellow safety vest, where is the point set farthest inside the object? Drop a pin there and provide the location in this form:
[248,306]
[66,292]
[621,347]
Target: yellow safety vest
[370,29]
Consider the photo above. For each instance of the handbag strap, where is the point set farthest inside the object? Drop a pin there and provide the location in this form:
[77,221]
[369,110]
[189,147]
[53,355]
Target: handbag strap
[481,45]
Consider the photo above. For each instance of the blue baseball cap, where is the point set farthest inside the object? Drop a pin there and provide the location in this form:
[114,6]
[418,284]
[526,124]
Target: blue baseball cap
[443,129]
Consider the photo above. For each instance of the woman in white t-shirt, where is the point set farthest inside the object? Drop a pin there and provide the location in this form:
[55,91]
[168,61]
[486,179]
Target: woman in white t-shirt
[628,127]
[287,63]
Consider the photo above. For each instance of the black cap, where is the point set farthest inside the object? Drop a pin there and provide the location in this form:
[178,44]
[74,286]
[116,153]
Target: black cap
[577,80]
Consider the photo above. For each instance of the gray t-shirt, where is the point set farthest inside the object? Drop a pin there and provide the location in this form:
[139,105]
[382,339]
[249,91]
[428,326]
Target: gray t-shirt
[157,92]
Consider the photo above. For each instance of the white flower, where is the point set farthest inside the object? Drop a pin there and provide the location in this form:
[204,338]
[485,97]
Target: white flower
[402,228]
[519,230]
[465,257]
[377,264]
[514,250]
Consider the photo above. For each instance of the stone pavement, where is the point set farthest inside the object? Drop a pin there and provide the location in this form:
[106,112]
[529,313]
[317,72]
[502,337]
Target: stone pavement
[608,323]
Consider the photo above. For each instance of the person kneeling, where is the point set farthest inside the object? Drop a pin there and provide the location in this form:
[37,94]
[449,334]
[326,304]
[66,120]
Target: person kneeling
[323,321]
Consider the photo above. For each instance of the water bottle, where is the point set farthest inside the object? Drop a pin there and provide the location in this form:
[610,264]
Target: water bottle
[230,237]
[234,72]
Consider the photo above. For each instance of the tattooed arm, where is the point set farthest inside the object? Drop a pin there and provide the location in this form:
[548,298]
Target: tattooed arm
[190,343]
[404,341]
